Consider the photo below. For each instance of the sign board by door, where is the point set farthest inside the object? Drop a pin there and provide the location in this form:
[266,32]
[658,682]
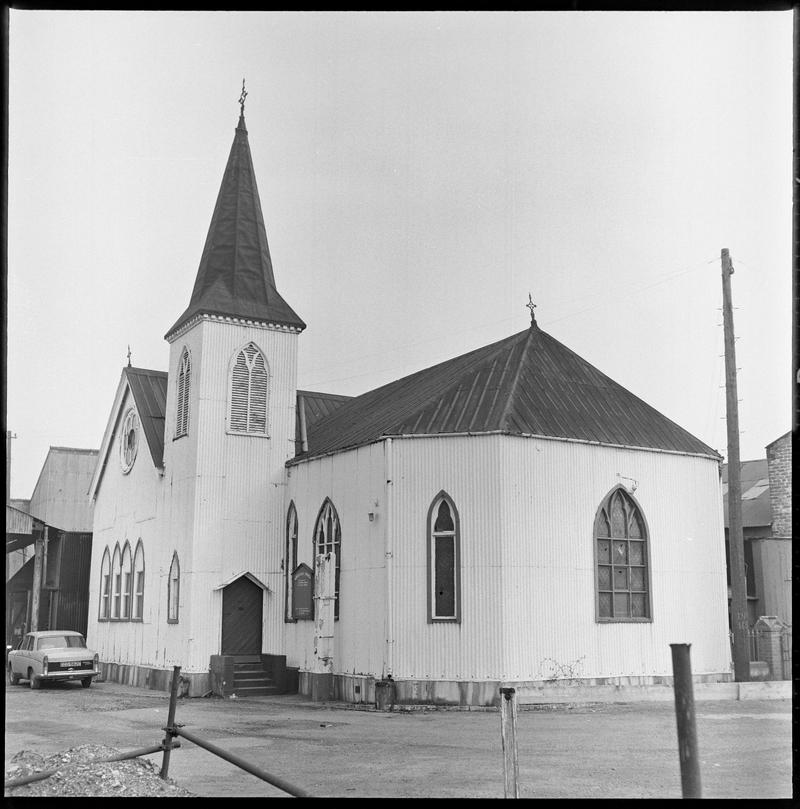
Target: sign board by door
[303,593]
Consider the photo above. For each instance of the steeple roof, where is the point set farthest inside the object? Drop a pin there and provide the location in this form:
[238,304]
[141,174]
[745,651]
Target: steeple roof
[235,277]
[526,384]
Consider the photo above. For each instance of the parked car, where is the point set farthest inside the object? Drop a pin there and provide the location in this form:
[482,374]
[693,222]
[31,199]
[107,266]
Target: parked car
[57,654]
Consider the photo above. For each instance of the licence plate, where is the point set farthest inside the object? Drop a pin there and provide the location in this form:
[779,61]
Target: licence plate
[71,664]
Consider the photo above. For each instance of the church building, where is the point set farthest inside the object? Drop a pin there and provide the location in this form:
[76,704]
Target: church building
[508,517]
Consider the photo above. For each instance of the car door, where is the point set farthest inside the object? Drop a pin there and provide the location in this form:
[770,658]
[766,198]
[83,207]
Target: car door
[20,658]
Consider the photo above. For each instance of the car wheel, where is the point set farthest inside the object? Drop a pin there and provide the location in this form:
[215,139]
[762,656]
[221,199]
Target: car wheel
[12,678]
[33,680]
[86,682]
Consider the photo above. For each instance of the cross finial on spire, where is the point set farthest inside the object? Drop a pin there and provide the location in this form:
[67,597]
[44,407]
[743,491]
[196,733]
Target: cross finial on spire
[531,305]
[242,97]
[129,356]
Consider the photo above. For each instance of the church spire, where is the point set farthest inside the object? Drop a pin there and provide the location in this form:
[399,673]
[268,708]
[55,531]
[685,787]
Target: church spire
[235,276]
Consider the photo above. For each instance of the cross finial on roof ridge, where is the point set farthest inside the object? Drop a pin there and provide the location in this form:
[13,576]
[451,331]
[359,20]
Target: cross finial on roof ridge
[242,97]
[129,356]
[531,305]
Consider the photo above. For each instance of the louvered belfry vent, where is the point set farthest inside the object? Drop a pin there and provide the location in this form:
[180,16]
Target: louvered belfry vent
[249,387]
[184,379]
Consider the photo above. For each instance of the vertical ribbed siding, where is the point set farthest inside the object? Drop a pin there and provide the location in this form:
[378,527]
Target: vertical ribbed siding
[59,497]
[552,495]
[354,483]
[129,507]
[469,470]
[239,495]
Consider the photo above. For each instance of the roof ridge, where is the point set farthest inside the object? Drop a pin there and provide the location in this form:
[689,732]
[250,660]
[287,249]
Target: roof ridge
[515,381]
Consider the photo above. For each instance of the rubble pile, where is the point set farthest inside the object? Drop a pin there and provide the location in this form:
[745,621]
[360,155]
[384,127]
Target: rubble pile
[81,772]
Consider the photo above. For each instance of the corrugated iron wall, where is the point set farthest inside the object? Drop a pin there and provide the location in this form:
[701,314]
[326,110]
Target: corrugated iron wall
[551,498]
[528,505]
[60,496]
[354,482]
[238,507]
[469,469]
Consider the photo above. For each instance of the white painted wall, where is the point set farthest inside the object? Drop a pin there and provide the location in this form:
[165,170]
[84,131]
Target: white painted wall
[526,508]
[354,481]
[553,491]
[126,508]
[224,492]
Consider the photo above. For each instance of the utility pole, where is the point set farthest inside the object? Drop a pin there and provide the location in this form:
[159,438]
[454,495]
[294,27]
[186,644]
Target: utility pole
[9,436]
[739,622]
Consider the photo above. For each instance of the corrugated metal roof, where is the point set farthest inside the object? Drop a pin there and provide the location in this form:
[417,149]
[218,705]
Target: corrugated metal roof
[756,509]
[149,389]
[317,406]
[235,276]
[528,383]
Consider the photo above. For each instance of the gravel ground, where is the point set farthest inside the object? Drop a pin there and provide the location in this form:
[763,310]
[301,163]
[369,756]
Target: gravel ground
[79,773]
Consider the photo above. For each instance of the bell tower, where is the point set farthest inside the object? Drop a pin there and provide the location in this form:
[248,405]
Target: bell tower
[230,414]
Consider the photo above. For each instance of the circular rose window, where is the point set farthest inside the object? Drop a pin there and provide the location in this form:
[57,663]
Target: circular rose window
[129,440]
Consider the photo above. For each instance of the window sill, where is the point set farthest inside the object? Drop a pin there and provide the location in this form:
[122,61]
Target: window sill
[228,431]
[623,620]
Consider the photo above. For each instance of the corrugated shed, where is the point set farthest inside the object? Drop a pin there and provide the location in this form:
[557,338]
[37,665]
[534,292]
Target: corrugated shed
[149,389]
[60,496]
[235,276]
[528,383]
[754,476]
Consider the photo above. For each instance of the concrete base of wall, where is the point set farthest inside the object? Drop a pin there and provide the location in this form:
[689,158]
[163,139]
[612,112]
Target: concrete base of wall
[319,687]
[191,684]
[359,689]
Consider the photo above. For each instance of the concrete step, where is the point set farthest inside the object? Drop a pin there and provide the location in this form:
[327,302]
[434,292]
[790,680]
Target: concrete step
[247,668]
[255,690]
[252,679]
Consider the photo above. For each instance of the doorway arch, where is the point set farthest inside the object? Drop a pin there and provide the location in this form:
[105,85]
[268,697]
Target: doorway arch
[242,615]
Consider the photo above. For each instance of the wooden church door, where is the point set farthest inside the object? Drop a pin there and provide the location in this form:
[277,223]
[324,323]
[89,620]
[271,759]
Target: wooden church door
[241,617]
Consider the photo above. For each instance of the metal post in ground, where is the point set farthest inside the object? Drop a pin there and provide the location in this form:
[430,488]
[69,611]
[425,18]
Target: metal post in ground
[170,728]
[508,732]
[684,713]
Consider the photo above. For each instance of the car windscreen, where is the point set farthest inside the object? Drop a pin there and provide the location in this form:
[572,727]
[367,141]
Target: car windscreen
[61,642]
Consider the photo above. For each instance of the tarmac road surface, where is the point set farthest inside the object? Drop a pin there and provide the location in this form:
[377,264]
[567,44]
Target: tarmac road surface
[332,750]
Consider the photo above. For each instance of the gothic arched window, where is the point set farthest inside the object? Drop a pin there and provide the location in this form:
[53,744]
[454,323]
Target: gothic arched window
[291,557]
[116,582]
[444,561]
[173,590]
[105,587]
[248,392]
[127,565]
[327,538]
[138,582]
[184,383]
[621,560]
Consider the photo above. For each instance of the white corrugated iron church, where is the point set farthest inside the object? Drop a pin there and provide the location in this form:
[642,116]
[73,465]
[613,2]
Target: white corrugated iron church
[507,517]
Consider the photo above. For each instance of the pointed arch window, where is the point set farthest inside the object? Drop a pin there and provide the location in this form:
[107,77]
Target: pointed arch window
[173,590]
[105,587]
[248,392]
[138,582]
[291,557]
[184,382]
[116,582]
[621,560]
[127,575]
[327,538]
[444,561]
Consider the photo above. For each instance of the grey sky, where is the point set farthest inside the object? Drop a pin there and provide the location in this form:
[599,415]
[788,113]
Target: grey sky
[420,173]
